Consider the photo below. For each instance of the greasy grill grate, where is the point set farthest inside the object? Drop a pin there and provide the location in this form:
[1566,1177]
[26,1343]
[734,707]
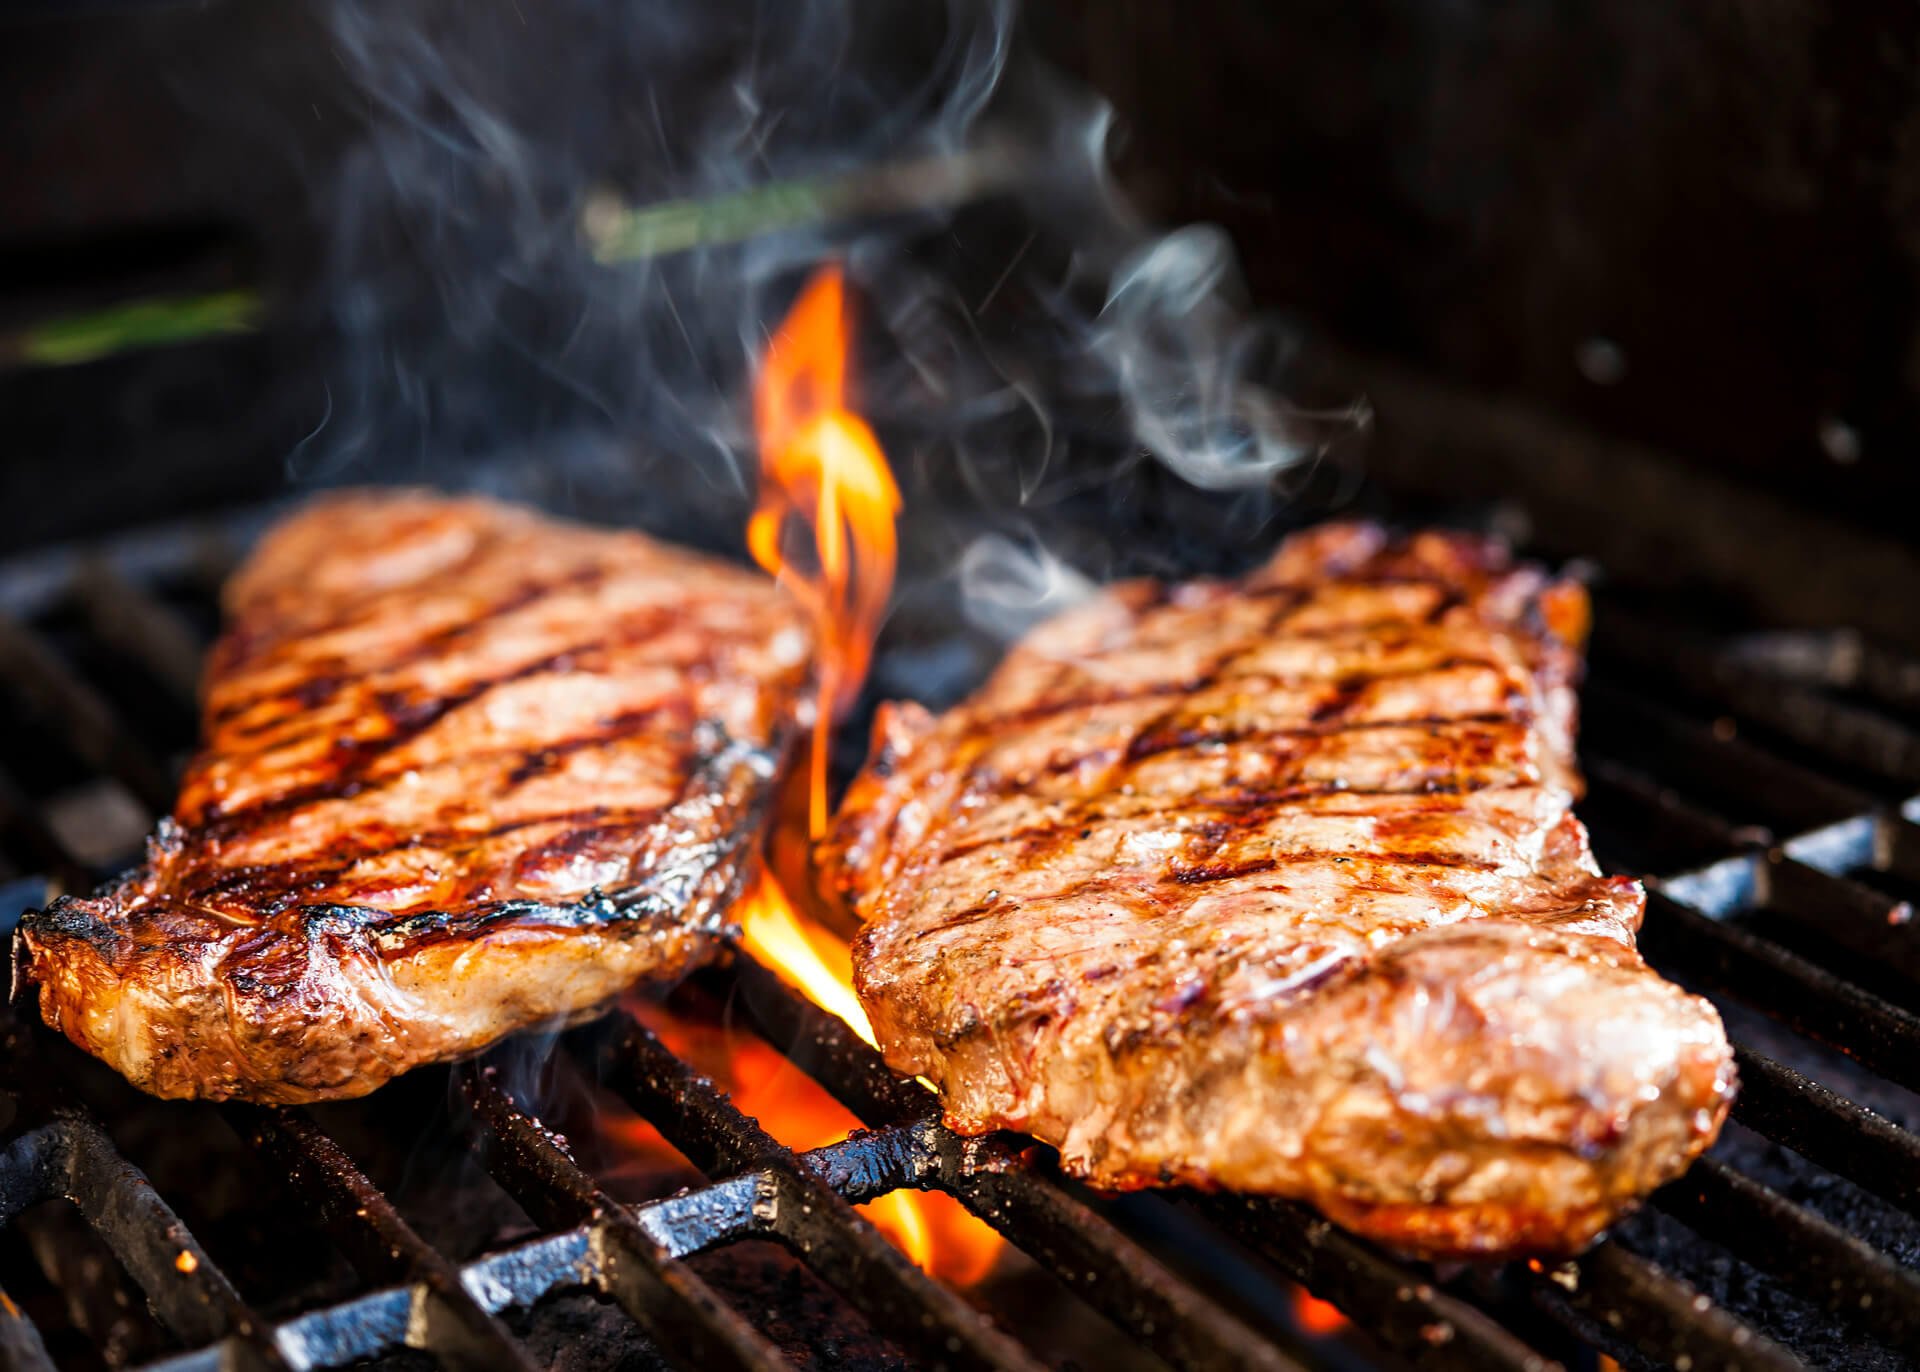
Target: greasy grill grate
[1701,756]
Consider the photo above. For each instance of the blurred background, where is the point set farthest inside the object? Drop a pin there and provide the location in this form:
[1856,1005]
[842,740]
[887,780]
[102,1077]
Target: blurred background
[1692,231]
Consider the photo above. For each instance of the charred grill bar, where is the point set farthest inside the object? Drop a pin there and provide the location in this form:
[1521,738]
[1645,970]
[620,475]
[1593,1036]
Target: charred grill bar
[1812,928]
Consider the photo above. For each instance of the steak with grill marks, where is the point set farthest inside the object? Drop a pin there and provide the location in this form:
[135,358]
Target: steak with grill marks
[465,770]
[1274,886]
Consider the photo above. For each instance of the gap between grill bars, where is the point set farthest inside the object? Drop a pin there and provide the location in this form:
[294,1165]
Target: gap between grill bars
[1830,882]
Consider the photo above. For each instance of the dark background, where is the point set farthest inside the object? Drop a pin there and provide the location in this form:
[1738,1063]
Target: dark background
[1693,231]
[1728,194]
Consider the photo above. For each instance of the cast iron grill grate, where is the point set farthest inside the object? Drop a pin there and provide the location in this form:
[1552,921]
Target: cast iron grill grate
[1794,1242]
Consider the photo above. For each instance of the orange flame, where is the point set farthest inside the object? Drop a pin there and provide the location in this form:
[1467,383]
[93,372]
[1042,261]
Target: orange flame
[822,471]
[935,1231]
[821,466]
[810,958]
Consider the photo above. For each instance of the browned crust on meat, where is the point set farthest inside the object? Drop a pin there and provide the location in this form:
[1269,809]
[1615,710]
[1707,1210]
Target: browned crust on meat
[1274,886]
[466,770]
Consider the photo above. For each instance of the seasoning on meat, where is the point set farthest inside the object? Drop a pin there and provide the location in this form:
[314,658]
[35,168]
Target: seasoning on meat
[1274,886]
[466,770]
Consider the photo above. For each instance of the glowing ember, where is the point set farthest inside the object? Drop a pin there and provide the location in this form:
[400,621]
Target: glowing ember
[822,469]
[1315,1316]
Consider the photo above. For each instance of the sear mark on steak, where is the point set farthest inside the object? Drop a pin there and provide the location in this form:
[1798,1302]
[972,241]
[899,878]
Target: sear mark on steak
[1274,886]
[465,770]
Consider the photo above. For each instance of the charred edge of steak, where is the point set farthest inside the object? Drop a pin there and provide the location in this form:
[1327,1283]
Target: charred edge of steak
[727,770]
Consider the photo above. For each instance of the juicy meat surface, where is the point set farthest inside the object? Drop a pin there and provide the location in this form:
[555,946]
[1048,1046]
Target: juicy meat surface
[1274,886]
[465,770]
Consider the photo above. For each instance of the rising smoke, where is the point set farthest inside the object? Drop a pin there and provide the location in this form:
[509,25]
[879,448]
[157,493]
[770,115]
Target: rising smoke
[568,227]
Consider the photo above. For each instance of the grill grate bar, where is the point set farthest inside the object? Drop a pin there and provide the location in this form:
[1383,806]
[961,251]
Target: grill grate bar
[100,1301]
[1844,912]
[65,1154]
[375,1323]
[140,625]
[1849,1277]
[1854,737]
[1827,1128]
[192,1297]
[88,722]
[802,1210]
[1623,1304]
[202,551]
[1801,995]
[1054,1227]
[1117,1277]
[1666,818]
[685,1318]
[1393,1302]
[445,1318]
[1750,784]
[1839,659]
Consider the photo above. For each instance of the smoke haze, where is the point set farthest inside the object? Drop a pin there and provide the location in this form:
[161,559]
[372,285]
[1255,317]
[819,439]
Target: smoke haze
[569,227]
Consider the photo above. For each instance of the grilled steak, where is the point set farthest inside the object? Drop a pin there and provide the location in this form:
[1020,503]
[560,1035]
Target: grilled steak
[465,770]
[1273,886]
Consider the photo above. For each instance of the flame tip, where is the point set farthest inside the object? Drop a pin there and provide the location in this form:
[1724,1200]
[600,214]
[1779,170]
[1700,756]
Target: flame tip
[822,467]
[822,472]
